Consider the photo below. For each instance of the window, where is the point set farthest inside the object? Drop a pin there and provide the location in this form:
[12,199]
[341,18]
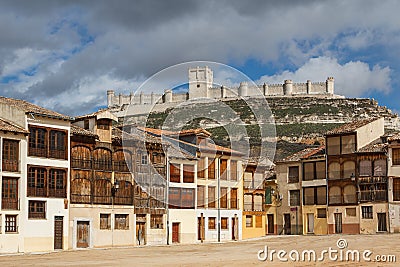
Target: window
[294,197]
[224,198]
[268,195]
[174,173]
[249,220]
[105,221]
[366,212]
[320,169]
[37,209]
[188,173]
[314,195]
[258,202]
[351,212]
[334,170]
[10,155]
[121,222]
[36,182]
[348,144]
[58,145]
[333,145]
[37,142]
[86,124]
[224,223]
[293,174]
[258,221]
[222,169]
[396,189]
[248,202]
[187,198]
[9,197]
[365,168]
[308,171]
[11,224]
[200,168]
[174,197]
[309,195]
[211,169]
[234,198]
[321,195]
[102,159]
[156,221]
[321,213]
[335,195]
[57,184]
[144,159]
[103,124]
[200,196]
[211,197]
[233,167]
[211,223]
[380,167]
[396,156]
[349,169]
[157,158]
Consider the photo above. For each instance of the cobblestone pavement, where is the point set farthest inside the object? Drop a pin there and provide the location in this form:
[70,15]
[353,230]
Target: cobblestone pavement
[242,253]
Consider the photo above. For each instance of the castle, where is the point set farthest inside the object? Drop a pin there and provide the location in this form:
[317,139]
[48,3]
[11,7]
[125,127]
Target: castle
[201,86]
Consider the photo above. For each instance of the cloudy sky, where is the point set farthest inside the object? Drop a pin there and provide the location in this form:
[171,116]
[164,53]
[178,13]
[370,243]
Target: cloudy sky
[64,55]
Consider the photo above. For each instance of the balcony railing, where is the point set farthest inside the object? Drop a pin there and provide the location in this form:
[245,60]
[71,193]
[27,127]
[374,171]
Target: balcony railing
[57,154]
[81,163]
[141,203]
[80,199]
[366,196]
[60,193]
[126,200]
[10,203]
[37,152]
[381,195]
[10,165]
[37,215]
[105,165]
[37,192]
[154,203]
[121,166]
[105,200]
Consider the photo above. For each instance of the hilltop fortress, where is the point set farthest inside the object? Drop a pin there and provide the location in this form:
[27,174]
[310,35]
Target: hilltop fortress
[201,86]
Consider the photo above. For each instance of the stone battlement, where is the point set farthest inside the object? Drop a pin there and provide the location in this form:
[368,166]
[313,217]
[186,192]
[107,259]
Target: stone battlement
[201,86]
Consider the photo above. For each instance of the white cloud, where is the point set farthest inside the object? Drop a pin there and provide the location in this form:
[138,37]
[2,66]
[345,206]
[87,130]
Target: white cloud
[352,79]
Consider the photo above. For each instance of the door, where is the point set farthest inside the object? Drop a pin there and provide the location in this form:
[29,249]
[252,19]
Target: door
[310,222]
[58,232]
[382,222]
[141,233]
[338,223]
[175,232]
[270,221]
[287,226]
[82,239]
[200,228]
[234,228]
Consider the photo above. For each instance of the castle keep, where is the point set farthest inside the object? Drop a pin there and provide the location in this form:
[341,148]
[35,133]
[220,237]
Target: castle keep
[201,86]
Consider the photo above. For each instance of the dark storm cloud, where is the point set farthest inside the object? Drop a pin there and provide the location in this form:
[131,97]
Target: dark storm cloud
[75,44]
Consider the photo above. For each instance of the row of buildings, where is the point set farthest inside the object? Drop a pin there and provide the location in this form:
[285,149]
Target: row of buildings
[70,183]
[351,185]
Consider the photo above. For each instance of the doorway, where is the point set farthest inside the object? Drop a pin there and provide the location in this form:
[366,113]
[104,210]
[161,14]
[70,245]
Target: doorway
[200,228]
[82,238]
[338,223]
[310,223]
[287,225]
[270,226]
[382,222]
[141,233]
[58,232]
[175,232]
[234,228]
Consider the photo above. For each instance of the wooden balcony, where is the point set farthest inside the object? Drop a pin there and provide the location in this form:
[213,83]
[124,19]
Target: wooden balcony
[10,203]
[81,163]
[59,193]
[80,199]
[36,192]
[10,165]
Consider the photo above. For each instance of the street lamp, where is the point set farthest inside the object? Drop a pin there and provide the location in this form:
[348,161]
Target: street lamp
[114,188]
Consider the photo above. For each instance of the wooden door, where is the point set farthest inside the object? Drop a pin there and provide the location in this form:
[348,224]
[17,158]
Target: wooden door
[141,233]
[338,223]
[175,232]
[288,225]
[200,228]
[382,222]
[310,222]
[58,232]
[82,239]
[270,220]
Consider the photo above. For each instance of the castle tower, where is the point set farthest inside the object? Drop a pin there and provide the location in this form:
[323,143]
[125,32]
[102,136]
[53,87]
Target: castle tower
[330,85]
[110,98]
[200,80]
[168,96]
[288,87]
[243,89]
[309,87]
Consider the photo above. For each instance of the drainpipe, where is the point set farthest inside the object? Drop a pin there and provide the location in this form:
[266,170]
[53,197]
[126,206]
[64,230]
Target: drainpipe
[167,196]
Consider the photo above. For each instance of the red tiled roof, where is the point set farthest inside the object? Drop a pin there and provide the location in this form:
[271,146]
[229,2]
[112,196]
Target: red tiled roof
[8,126]
[304,154]
[32,108]
[394,137]
[350,127]
[76,130]
[373,148]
